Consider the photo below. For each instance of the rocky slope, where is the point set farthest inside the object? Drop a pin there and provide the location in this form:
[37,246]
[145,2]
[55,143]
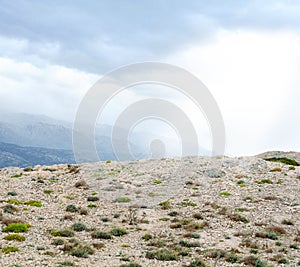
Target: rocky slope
[159,212]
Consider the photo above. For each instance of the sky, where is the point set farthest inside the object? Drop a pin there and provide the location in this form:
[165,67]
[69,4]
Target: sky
[247,53]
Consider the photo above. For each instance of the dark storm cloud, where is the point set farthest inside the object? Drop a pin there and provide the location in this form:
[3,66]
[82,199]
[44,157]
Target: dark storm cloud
[96,36]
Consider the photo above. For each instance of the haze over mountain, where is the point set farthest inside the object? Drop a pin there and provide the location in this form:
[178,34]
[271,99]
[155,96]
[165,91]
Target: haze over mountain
[35,130]
[27,139]
[19,156]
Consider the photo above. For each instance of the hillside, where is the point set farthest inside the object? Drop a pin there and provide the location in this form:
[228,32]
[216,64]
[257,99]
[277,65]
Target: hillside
[159,212]
[14,155]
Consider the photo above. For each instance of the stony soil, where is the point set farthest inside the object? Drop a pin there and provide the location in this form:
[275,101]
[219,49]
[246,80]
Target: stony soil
[159,212]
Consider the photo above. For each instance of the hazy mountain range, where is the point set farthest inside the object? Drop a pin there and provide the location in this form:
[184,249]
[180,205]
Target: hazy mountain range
[21,156]
[27,140]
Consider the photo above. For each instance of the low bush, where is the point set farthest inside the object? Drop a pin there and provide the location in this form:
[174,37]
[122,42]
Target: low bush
[13,194]
[10,209]
[123,200]
[16,228]
[162,255]
[131,264]
[79,227]
[197,263]
[7,250]
[284,160]
[118,232]
[34,203]
[92,198]
[18,175]
[72,208]
[63,233]
[14,237]
[101,235]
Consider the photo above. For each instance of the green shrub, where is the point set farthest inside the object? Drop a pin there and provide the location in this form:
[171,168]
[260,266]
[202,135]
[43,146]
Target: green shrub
[173,213]
[58,242]
[294,246]
[225,194]
[159,243]
[268,235]
[92,198]
[105,219]
[63,233]
[147,237]
[131,264]
[277,169]
[14,201]
[7,250]
[123,199]
[18,175]
[284,161]
[197,263]
[118,232]
[157,181]
[81,251]
[16,228]
[34,203]
[92,206]
[13,194]
[265,181]
[72,208]
[101,235]
[215,174]
[188,244]
[187,203]
[241,183]
[10,209]
[283,261]
[48,191]
[28,169]
[65,263]
[162,255]
[165,205]
[14,237]
[242,209]
[253,261]
[79,227]
[238,218]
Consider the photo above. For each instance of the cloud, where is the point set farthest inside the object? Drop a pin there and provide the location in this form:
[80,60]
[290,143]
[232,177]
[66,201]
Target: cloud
[252,74]
[98,36]
[246,52]
[254,78]
[52,90]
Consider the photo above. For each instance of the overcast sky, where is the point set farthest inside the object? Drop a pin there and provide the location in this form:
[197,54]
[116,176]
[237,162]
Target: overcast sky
[246,52]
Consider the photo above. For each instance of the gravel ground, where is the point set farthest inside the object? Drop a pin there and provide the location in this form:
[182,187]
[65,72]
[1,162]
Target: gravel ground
[158,212]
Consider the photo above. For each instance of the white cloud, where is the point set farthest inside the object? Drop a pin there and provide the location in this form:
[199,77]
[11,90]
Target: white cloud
[252,74]
[51,89]
[254,78]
